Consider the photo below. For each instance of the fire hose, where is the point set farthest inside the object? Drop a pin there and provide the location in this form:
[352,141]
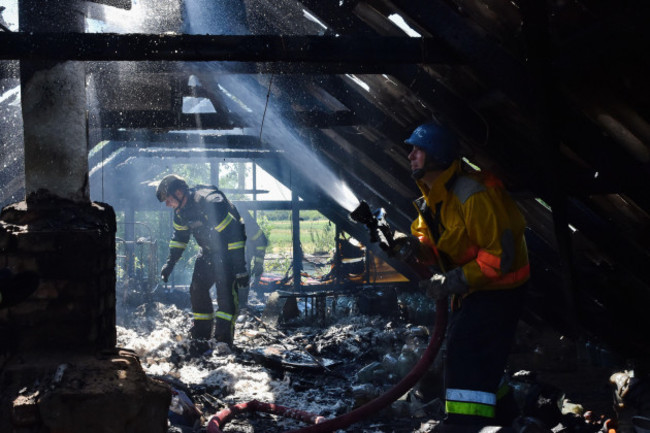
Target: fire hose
[221,418]
[320,424]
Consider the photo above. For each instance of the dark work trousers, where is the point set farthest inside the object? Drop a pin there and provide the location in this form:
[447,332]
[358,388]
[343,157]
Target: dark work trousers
[479,339]
[209,270]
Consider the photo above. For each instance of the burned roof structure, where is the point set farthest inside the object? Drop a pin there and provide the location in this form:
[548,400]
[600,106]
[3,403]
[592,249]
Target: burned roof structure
[551,96]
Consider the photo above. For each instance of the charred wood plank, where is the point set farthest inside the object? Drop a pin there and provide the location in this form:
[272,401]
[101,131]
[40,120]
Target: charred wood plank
[321,119]
[266,48]
[497,67]
[114,140]
[122,4]
[163,120]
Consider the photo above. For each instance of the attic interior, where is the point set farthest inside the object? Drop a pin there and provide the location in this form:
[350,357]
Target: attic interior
[100,98]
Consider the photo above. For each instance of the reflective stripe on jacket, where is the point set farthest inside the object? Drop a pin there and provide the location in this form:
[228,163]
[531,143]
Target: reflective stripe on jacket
[477,226]
[256,241]
[213,221]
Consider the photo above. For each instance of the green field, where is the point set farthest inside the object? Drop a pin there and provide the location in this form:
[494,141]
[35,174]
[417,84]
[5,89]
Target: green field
[315,235]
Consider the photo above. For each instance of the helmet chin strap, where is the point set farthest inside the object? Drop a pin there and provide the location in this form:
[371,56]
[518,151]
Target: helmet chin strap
[183,197]
[429,165]
[418,173]
[179,200]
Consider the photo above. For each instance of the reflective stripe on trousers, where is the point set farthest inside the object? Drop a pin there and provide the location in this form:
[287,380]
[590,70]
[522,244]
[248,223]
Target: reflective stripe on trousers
[469,402]
[236,245]
[223,315]
[209,316]
[202,316]
[177,244]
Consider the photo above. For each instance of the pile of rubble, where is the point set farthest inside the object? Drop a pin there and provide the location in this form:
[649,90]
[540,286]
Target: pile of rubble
[330,366]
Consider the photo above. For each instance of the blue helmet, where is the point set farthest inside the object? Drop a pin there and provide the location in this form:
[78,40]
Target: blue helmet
[438,142]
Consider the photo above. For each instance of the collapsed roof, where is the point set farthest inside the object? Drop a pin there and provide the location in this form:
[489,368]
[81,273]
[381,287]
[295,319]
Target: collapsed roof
[550,96]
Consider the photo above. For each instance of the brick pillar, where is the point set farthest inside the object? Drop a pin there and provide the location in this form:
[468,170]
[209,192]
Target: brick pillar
[72,248]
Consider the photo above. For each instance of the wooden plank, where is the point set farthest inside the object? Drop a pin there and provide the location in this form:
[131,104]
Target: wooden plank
[248,48]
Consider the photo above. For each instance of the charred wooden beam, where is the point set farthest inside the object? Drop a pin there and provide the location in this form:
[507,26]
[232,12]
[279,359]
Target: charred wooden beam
[199,154]
[457,111]
[287,67]
[618,35]
[167,120]
[497,67]
[112,153]
[364,110]
[113,140]
[122,4]
[265,48]
[339,16]
[321,119]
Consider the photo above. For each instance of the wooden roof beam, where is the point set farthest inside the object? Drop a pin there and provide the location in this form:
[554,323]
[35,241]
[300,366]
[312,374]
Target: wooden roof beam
[247,48]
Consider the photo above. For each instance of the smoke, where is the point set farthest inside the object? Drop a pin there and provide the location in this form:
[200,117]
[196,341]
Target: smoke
[229,17]
[265,121]
[275,131]
[12,155]
[145,16]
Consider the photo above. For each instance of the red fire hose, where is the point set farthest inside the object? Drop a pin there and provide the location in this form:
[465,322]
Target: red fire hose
[224,416]
[320,425]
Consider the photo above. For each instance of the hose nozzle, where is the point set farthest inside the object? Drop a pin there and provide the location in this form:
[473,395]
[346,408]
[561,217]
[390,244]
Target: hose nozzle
[362,214]
[376,224]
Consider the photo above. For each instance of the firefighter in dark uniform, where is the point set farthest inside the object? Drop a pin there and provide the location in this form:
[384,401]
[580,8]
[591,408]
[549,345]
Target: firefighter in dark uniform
[206,213]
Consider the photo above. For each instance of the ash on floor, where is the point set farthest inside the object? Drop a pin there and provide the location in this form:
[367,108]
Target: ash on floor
[330,366]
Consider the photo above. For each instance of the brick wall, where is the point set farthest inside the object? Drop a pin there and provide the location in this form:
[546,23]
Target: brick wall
[72,248]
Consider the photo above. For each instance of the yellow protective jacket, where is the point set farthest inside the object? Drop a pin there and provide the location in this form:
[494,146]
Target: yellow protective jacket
[471,221]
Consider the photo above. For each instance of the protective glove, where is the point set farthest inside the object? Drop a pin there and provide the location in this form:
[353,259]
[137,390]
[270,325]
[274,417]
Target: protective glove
[165,271]
[241,279]
[258,266]
[406,247]
[442,285]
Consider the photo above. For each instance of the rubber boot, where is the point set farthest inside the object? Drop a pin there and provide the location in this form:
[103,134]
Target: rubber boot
[200,334]
[506,409]
[201,330]
[243,299]
[198,348]
[223,332]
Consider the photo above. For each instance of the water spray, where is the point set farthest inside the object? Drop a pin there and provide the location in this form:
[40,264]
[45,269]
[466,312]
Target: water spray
[344,196]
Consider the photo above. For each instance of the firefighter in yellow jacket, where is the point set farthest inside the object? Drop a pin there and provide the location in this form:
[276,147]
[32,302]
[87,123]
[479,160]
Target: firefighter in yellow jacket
[205,213]
[471,232]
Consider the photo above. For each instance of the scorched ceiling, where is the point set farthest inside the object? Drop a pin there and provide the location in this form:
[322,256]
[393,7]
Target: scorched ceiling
[551,96]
